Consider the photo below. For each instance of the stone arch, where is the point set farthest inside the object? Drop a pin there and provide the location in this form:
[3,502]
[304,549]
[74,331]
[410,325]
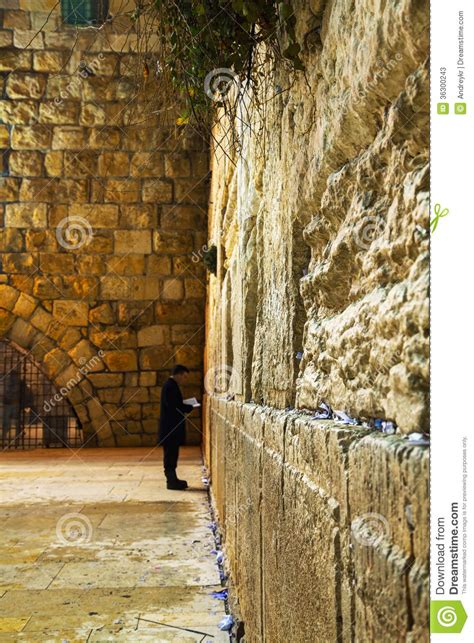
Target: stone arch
[63,354]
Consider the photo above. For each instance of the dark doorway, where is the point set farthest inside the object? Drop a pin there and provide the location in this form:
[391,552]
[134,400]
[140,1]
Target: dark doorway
[33,413]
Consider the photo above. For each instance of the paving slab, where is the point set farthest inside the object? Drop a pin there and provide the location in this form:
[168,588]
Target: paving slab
[95,548]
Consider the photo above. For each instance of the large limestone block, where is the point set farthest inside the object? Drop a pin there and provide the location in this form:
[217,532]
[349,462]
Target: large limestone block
[26,215]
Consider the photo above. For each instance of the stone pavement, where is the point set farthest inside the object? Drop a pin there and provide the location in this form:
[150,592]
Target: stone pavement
[94,548]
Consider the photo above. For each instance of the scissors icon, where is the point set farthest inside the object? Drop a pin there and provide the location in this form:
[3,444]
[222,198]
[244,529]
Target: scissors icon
[439,214]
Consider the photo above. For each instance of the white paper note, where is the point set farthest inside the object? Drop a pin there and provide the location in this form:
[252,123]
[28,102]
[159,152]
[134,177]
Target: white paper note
[192,402]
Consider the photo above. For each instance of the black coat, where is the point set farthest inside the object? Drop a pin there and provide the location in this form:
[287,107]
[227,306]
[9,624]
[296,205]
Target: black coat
[172,413]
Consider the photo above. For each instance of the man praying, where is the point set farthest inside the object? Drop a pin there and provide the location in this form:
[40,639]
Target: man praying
[172,432]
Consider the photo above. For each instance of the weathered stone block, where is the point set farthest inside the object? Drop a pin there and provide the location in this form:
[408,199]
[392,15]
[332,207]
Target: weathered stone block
[134,314]
[158,265]
[53,163]
[8,296]
[113,338]
[127,265]
[172,289]
[132,241]
[59,263]
[18,112]
[9,189]
[4,136]
[48,61]
[106,380]
[151,336]
[157,191]
[80,287]
[68,138]
[98,215]
[90,265]
[103,138]
[182,217]
[31,138]
[191,191]
[178,165]
[85,355]
[26,215]
[172,242]
[147,379]
[187,334]
[20,332]
[21,85]
[41,319]
[189,355]
[173,313]
[19,263]
[143,288]
[25,163]
[59,112]
[138,216]
[147,164]
[79,164]
[102,314]
[13,60]
[24,307]
[114,164]
[155,358]
[114,288]
[194,289]
[71,313]
[121,360]
[16,19]
[122,191]
[11,240]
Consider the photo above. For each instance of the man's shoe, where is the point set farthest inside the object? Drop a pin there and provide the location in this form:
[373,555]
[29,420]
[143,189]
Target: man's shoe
[176,485]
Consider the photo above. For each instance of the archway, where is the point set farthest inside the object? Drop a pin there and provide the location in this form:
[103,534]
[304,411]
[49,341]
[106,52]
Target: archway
[33,413]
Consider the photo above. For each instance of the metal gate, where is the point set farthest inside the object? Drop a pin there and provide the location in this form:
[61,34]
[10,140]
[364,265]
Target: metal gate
[32,412]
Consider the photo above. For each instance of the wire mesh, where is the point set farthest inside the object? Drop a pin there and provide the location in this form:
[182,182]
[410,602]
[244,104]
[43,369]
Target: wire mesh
[32,411]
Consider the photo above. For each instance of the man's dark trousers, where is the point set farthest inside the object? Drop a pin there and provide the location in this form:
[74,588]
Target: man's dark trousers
[170,459]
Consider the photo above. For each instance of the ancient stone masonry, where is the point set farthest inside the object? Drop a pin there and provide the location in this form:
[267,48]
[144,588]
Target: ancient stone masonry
[103,205]
[321,293]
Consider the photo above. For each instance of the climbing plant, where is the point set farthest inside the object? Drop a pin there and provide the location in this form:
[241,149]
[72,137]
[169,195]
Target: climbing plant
[207,49]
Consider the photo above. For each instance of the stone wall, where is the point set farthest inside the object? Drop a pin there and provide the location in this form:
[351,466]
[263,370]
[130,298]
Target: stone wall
[103,204]
[321,293]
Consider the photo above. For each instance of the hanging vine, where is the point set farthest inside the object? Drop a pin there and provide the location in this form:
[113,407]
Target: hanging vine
[211,52]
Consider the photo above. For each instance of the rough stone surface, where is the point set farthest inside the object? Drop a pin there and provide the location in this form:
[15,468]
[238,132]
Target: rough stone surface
[85,183]
[321,228]
[315,508]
